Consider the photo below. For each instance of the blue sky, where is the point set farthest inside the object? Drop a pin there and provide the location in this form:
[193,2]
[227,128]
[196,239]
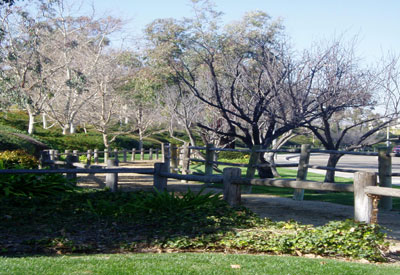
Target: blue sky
[376,23]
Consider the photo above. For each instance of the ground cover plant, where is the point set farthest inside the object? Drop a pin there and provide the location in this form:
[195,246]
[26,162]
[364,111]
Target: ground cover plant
[100,221]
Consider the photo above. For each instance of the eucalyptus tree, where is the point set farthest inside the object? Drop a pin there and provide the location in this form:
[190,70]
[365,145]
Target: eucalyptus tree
[26,66]
[101,111]
[82,43]
[245,71]
[140,92]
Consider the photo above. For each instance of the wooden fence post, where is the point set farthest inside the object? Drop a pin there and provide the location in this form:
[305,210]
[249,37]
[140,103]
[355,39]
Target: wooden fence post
[151,154]
[160,183]
[96,156]
[232,193]
[70,159]
[89,157]
[163,151]
[363,203]
[133,154]
[112,178]
[124,155]
[51,153]
[142,153]
[75,153]
[251,167]
[174,159]
[56,155]
[385,176]
[298,194]
[157,153]
[208,170]
[44,157]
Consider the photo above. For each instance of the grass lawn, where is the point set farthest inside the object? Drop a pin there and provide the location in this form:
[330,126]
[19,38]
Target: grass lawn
[186,263]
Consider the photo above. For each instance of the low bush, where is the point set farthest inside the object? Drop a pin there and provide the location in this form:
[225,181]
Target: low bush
[28,185]
[31,185]
[17,159]
[233,155]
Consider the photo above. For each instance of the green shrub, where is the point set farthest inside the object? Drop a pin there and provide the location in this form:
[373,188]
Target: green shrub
[32,185]
[233,155]
[17,159]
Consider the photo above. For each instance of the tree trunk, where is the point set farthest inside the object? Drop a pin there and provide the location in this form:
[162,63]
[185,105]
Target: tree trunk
[271,160]
[332,161]
[105,140]
[72,128]
[65,129]
[264,170]
[44,120]
[31,123]
[140,139]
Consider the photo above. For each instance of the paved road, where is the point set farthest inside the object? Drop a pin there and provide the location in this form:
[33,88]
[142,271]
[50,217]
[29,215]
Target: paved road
[365,163]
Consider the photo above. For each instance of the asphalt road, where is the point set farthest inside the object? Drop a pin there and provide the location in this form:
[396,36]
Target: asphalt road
[365,163]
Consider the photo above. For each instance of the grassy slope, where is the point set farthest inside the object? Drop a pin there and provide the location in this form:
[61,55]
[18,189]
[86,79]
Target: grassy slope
[186,263]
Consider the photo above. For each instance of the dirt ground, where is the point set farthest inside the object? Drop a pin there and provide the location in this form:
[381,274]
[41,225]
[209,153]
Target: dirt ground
[268,206]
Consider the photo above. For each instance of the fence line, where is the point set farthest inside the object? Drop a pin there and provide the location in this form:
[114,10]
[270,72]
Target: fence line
[366,193]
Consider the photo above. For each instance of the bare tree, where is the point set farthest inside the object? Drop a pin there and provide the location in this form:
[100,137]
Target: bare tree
[245,72]
[26,66]
[347,91]
[82,42]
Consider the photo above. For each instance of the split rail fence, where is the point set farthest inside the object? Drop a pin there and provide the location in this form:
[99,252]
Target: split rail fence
[366,192]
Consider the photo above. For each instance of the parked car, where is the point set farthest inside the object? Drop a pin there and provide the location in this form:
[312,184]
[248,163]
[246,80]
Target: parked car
[396,150]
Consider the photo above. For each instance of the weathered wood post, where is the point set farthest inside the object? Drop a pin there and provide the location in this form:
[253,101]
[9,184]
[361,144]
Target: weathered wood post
[52,154]
[56,155]
[208,169]
[151,154]
[133,154]
[251,167]
[385,176]
[70,159]
[124,155]
[174,159]
[75,153]
[106,154]
[89,157]
[232,193]
[363,203]
[298,194]
[142,153]
[44,158]
[96,156]
[157,153]
[112,178]
[116,156]
[160,182]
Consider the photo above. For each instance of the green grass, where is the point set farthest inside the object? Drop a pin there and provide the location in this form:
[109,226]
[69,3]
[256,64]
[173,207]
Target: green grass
[186,263]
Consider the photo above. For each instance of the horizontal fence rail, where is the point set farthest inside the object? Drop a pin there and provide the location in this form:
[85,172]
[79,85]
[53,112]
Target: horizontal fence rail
[178,160]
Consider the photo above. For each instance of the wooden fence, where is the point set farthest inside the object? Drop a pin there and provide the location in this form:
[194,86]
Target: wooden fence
[365,189]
